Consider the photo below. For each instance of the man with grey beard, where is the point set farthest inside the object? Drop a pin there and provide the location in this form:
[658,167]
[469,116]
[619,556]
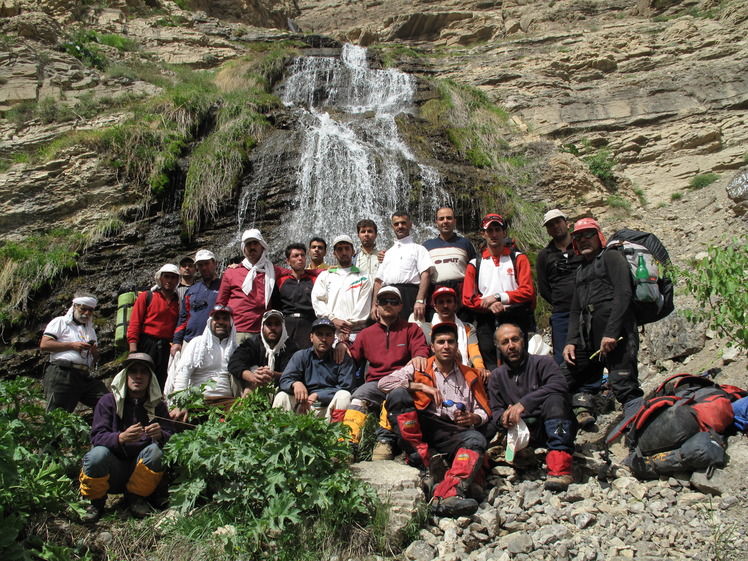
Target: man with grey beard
[71,342]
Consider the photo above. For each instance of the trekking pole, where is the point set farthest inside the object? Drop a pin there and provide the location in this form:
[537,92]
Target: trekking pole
[593,355]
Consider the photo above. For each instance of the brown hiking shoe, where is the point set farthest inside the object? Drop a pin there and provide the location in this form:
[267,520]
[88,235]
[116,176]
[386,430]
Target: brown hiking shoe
[557,483]
[94,512]
[382,451]
[585,420]
[139,508]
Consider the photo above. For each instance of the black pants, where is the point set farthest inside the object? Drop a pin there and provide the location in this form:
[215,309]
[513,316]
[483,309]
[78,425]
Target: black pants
[485,329]
[65,387]
[158,350]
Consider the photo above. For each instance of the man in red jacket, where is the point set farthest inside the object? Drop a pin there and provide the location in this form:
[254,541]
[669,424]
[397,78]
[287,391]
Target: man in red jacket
[443,405]
[498,288]
[154,319]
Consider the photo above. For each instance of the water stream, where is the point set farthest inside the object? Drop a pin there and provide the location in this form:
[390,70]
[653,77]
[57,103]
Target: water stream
[352,162]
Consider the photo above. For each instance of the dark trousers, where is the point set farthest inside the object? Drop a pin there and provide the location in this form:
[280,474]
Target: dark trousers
[65,387]
[559,330]
[299,329]
[408,295]
[158,350]
[485,329]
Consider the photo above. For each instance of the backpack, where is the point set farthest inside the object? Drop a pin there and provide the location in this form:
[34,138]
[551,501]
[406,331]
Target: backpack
[125,302]
[653,296]
[662,434]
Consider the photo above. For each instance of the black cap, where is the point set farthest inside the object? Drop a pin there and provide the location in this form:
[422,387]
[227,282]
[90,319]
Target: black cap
[322,322]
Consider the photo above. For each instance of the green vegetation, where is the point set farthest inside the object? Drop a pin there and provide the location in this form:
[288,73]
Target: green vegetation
[39,454]
[702,180]
[639,192]
[693,11]
[616,201]
[26,266]
[599,161]
[718,284]
[678,195]
[82,45]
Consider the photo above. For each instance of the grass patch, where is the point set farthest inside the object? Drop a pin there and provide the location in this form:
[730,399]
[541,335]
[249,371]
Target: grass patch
[702,180]
[616,201]
[600,161]
[639,192]
[28,265]
[678,195]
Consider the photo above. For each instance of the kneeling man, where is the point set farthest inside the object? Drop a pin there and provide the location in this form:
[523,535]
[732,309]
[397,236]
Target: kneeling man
[533,388]
[444,406]
[313,380]
[127,455]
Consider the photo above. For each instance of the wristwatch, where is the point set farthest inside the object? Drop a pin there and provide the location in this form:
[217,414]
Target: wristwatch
[497,296]
[420,302]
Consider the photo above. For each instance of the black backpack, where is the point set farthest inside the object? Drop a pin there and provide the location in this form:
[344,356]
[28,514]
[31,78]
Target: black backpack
[653,298]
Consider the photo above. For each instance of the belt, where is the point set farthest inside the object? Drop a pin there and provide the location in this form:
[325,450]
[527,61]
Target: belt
[297,315]
[71,366]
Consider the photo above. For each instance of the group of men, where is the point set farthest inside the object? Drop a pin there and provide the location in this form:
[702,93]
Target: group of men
[383,331]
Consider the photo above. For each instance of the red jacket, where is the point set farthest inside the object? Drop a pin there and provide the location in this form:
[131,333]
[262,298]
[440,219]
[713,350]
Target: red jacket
[426,377]
[525,292]
[389,348]
[158,320]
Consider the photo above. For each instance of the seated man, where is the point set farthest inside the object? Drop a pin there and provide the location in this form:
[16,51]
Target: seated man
[441,406]
[127,455]
[261,358]
[207,359]
[313,380]
[444,301]
[389,344]
[533,387]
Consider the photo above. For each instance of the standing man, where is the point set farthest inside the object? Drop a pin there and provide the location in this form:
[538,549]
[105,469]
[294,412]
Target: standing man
[367,257]
[261,358]
[207,360]
[71,342]
[294,296]
[498,288]
[443,405]
[247,289]
[389,344]
[529,386]
[557,266]
[312,380]
[197,302]
[601,319]
[154,319]
[343,294]
[407,266]
[186,275]
[317,252]
[449,252]
[444,302]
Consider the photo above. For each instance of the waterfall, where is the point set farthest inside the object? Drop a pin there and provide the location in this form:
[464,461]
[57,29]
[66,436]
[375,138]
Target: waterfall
[352,163]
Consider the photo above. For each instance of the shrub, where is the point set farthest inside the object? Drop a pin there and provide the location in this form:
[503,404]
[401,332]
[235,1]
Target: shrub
[678,195]
[702,180]
[269,473]
[81,45]
[718,284]
[39,451]
[119,42]
[616,201]
[601,164]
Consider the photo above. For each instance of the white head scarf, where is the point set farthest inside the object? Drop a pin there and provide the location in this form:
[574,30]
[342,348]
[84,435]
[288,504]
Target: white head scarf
[263,265]
[119,389]
[89,334]
[202,348]
[270,353]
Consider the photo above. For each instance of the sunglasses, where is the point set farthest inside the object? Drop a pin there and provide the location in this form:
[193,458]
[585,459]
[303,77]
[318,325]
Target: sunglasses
[222,308]
[390,301]
[586,234]
[456,404]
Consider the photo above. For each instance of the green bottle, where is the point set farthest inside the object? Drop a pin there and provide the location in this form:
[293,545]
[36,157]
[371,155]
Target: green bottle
[646,286]
[642,274]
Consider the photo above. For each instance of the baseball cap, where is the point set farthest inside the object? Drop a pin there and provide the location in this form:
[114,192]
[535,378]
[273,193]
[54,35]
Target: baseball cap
[322,322]
[139,357]
[489,219]
[342,239]
[443,291]
[167,268]
[273,314]
[204,255]
[186,259]
[552,215]
[392,290]
[443,327]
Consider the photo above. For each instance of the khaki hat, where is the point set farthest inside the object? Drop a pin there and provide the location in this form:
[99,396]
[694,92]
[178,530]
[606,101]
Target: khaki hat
[552,215]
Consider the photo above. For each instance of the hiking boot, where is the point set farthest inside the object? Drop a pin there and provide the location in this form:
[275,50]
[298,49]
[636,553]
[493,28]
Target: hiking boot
[94,512]
[585,420]
[382,451]
[453,507]
[139,508]
[558,483]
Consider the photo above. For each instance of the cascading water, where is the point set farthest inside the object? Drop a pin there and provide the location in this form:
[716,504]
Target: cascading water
[352,162]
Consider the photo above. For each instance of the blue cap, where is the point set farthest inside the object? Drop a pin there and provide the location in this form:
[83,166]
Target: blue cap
[322,322]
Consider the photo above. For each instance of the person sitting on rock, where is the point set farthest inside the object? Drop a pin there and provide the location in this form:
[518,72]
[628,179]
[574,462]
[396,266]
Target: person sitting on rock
[443,406]
[312,380]
[261,359]
[207,359]
[130,426]
[533,388]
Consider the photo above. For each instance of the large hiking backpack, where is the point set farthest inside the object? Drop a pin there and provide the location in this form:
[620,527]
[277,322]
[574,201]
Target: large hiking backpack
[125,302]
[662,434]
[653,297]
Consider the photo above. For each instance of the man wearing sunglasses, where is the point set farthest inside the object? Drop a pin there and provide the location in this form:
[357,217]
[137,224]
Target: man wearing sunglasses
[557,266]
[601,320]
[443,406]
[388,345]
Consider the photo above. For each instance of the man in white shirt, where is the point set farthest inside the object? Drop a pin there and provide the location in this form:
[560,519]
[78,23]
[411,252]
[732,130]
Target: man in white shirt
[71,342]
[206,359]
[343,294]
[367,257]
[408,267]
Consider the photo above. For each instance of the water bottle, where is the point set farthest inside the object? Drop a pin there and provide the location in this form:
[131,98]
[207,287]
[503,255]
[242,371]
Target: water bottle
[646,285]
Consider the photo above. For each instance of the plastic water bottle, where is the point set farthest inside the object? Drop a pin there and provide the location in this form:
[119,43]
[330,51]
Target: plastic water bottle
[646,285]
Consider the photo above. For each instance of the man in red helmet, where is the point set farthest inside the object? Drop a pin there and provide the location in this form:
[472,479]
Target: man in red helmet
[601,320]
